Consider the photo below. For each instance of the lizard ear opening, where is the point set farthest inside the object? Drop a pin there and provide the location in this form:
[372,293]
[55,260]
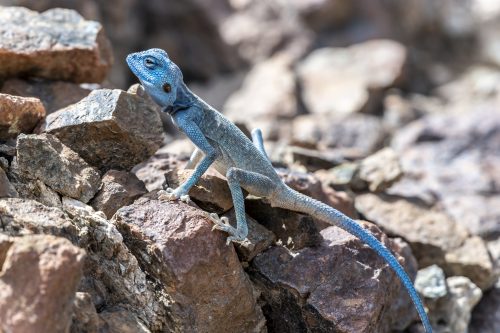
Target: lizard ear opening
[167,88]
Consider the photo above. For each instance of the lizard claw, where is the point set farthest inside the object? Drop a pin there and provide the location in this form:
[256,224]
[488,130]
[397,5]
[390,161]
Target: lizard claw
[170,195]
[222,224]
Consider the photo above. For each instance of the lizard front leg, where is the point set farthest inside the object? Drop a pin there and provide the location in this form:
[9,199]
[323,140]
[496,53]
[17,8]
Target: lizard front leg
[193,132]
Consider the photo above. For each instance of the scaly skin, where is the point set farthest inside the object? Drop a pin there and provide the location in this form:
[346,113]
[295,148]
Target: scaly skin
[245,164]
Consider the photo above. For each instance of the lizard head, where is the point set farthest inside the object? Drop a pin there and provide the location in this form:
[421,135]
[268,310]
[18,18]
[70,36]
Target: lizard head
[159,76]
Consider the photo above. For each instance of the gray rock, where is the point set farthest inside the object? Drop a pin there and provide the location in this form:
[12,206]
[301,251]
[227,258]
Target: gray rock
[19,115]
[57,44]
[431,282]
[380,170]
[434,237]
[347,292]
[486,315]
[110,129]
[45,158]
[347,80]
[6,188]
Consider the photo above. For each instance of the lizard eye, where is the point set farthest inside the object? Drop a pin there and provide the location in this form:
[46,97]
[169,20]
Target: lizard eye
[167,88]
[148,62]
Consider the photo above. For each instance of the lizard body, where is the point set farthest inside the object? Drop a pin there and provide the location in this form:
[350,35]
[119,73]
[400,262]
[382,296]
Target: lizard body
[244,162]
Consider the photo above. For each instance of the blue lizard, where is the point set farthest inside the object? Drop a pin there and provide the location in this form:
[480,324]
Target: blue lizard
[244,163]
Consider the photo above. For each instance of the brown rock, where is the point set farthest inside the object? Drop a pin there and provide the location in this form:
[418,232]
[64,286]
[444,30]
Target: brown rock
[347,292]
[380,170]
[119,188]
[211,192]
[45,158]
[6,188]
[322,15]
[57,44]
[38,283]
[176,246]
[152,171]
[53,94]
[433,236]
[110,129]
[121,321]
[19,115]
[347,80]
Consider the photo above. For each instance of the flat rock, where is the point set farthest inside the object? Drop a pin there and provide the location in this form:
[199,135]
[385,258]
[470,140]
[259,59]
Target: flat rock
[211,193]
[175,245]
[274,82]
[434,237]
[110,129]
[347,292]
[44,157]
[347,80]
[57,44]
[38,282]
[357,134]
[53,94]
[19,115]
[119,188]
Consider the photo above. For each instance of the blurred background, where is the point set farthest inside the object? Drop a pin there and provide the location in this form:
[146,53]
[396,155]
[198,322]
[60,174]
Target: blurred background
[331,82]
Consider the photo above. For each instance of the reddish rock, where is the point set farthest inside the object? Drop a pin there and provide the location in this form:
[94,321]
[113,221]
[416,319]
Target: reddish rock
[119,188]
[38,282]
[211,192]
[19,115]
[44,157]
[199,273]
[152,171]
[57,44]
[351,290]
[54,94]
[110,129]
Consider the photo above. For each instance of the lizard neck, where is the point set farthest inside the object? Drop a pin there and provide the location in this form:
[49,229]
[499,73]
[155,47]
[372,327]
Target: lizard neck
[185,99]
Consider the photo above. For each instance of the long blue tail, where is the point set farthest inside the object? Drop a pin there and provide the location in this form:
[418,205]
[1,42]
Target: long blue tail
[296,201]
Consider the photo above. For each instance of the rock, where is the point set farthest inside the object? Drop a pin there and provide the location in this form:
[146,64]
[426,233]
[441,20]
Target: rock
[121,321]
[450,301]
[321,15]
[85,318]
[19,115]
[211,193]
[380,170]
[312,159]
[45,158]
[346,80]
[57,44]
[53,94]
[6,188]
[110,129]
[258,240]
[356,135]
[453,158]
[347,292]
[119,188]
[433,236]
[32,188]
[274,82]
[44,272]
[486,315]
[175,245]
[152,171]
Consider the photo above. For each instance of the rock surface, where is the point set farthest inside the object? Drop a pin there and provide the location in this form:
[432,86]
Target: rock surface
[56,44]
[119,188]
[110,129]
[6,188]
[44,157]
[34,264]
[345,80]
[164,236]
[343,293]
[19,115]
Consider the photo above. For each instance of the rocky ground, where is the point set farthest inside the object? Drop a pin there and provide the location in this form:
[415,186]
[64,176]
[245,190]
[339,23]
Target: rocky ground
[389,113]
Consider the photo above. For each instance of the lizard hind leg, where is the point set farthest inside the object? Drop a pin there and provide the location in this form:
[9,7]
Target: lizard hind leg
[255,184]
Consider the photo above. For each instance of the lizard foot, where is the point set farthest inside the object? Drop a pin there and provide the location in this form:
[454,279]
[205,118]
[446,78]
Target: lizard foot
[222,224]
[170,195]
